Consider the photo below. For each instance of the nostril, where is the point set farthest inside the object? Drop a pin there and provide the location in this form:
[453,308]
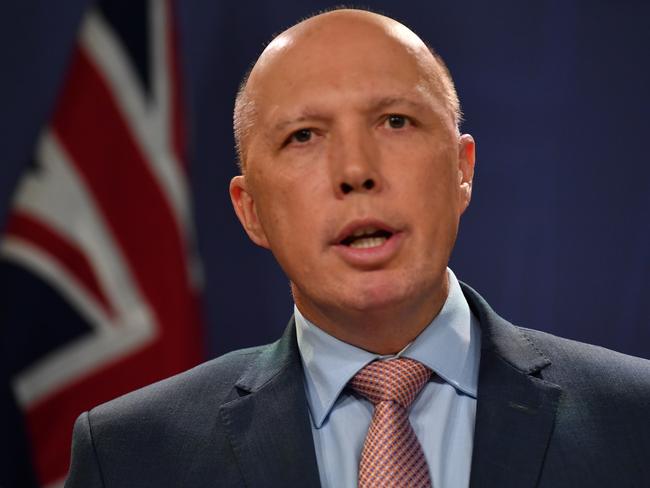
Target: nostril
[368,184]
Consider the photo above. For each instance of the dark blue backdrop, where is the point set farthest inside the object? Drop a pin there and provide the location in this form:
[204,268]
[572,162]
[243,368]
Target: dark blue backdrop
[554,92]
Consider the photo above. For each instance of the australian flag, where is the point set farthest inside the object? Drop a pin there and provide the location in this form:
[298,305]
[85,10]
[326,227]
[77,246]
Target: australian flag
[99,281]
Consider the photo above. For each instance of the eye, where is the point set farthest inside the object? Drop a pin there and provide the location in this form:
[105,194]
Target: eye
[395,121]
[300,136]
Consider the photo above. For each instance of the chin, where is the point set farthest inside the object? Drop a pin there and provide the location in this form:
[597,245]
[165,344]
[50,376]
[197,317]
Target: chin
[378,295]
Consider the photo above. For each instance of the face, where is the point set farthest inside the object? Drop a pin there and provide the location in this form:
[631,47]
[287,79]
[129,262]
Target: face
[355,176]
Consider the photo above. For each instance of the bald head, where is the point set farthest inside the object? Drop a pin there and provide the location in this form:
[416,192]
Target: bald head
[321,42]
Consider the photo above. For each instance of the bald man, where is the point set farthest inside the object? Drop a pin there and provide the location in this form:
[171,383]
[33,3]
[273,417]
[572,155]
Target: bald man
[355,175]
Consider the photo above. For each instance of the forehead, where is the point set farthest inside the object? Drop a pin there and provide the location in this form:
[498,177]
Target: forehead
[343,59]
[344,30]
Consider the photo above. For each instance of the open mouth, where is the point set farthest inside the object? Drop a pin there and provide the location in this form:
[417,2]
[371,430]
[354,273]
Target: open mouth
[367,237]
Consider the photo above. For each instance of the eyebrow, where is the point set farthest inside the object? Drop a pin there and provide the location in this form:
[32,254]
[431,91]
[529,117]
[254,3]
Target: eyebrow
[385,102]
[373,105]
[307,114]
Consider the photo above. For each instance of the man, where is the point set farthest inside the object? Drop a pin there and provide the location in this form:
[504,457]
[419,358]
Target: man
[355,175]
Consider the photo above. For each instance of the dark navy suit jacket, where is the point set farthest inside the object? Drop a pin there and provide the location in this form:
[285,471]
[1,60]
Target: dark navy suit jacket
[551,413]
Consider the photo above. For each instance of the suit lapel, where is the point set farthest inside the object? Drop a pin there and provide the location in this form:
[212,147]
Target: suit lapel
[268,423]
[516,408]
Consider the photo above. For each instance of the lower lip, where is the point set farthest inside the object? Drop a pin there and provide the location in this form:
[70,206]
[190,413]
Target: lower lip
[370,257]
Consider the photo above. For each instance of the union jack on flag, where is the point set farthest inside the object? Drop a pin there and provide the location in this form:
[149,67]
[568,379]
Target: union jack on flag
[98,266]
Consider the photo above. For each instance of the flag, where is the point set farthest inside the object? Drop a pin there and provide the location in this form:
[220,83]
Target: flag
[99,280]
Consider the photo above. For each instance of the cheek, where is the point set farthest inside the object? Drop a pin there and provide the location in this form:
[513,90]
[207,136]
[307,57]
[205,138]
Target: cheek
[274,212]
[429,179]
[430,193]
[288,214]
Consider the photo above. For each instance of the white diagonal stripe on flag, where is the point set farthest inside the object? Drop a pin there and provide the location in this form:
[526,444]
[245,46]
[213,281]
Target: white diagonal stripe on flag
[58,196]
[150,134]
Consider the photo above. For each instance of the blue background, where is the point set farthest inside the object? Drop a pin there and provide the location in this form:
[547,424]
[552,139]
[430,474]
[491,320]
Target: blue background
[554,92]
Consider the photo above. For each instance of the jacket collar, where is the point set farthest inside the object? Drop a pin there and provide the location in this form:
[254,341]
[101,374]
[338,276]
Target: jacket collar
[268,421]
[516,408]
[269,428]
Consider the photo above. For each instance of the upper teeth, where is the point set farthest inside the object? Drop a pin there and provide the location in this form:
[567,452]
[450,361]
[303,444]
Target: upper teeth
[364,231]
[368,242]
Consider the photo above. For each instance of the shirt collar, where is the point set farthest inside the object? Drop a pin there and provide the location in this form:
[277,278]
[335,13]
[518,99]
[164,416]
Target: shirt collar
[449,345]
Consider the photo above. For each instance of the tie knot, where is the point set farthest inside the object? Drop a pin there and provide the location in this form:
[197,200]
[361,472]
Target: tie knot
[397,380]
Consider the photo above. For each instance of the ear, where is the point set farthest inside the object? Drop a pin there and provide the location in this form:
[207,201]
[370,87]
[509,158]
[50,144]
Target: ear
[466,160]
[244,205]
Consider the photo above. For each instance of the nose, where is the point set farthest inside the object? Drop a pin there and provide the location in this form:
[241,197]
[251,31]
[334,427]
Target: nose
[354,160]
[368,184]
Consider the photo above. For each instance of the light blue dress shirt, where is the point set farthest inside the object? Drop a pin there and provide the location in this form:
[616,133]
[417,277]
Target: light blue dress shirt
[442,415]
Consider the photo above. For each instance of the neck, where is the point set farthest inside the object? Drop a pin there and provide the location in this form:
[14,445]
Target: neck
[382,330]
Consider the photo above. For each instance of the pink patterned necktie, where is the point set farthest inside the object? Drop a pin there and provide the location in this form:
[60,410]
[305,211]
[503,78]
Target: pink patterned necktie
[392,455]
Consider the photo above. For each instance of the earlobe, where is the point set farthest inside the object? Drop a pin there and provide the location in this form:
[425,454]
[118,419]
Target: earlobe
[466,162]
[244,205]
